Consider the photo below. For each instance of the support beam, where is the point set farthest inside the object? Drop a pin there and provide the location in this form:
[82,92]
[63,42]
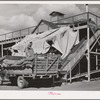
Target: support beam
[80,27]
[2,50]
[66,78]
[70,76]
[53,81]
[95,53]
[95,43]
[37,26]
[84,74]
[88,47]
[96,60]
[79,68]
[94,34]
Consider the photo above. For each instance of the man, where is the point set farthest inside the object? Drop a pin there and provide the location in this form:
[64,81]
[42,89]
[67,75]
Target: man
[29,55]
[29,51]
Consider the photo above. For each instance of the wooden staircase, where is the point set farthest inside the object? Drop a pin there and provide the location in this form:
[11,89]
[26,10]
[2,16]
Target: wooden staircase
[74,57]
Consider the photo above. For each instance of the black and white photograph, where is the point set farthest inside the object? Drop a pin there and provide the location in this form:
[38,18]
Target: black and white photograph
[49,47]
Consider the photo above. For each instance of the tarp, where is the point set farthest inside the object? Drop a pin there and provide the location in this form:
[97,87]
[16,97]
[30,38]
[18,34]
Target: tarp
[63,39]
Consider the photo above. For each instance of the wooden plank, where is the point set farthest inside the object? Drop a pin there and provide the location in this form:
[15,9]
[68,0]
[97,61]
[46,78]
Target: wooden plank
[2,50]
[95,53]
[96,59]
[43,72]
[80,27]
[94,34]
[79,68]
[37,26]
[52,64]
[41,67]
[78,76]
[47,64]
[66,77]
[70,75]
[16,72]
[41,63]
[84,74]
[44,67]
[35,70]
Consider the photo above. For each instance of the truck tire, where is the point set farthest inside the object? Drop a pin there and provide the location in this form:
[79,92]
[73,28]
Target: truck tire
[22,82]
[1,82]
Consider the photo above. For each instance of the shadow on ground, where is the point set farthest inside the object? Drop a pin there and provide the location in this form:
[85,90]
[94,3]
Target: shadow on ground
[45,83]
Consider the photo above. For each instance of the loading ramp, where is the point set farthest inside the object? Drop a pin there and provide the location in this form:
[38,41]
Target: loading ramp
[77,54]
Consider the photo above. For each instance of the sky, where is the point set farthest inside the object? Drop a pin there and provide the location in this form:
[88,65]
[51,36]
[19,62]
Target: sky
[18,16]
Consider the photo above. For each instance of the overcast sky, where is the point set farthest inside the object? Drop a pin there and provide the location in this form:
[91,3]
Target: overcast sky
[19,16]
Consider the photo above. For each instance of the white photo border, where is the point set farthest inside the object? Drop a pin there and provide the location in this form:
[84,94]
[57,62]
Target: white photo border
[27,94]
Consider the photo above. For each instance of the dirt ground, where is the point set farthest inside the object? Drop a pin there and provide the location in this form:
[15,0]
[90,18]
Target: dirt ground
[75,86]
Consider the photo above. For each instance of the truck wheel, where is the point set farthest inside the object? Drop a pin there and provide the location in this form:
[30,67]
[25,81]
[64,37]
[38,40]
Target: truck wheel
[22,82]
[1,82]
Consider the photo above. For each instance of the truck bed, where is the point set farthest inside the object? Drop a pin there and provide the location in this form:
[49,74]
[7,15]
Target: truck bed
[42,64]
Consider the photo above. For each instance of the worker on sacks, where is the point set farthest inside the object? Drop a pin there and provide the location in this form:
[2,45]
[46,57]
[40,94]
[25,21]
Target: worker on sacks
[29,50]
[29,55]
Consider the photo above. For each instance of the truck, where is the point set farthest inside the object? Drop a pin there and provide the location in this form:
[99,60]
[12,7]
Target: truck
[43,66]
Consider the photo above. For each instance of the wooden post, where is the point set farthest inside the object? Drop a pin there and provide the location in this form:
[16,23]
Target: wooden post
[7,51]
[96,60]
[53,80]
[96,21]
[57,65]
[96,47]
[66,78]
[79,68]
[47,64]
[70,76]
[35,64]
[88,47]
[1,50]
